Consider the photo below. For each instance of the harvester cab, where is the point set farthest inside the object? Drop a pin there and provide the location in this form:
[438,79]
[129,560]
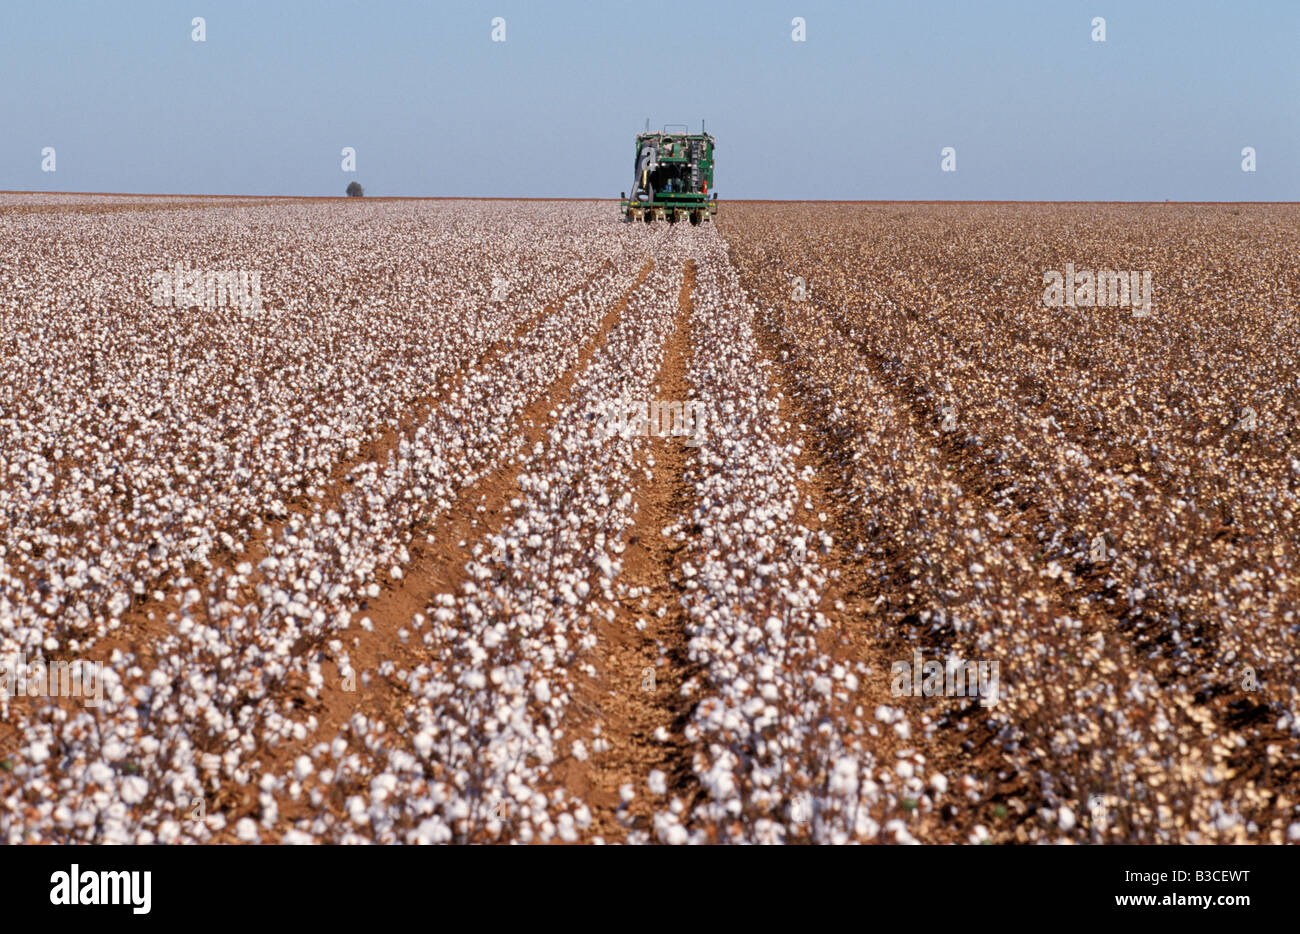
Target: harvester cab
[674,177]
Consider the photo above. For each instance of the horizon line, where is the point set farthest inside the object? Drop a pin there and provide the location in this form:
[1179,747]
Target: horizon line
[120,194]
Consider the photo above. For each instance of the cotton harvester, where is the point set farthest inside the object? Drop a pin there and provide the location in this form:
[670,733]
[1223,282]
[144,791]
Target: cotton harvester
[674,175]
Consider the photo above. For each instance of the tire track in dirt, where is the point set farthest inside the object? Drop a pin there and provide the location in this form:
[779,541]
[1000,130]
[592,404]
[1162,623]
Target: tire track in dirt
[635,700]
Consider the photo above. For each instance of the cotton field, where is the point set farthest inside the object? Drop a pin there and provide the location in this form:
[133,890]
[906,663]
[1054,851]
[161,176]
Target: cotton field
[318,508]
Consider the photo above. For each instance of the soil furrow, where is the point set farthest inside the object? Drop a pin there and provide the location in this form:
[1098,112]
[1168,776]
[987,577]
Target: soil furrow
[635,700]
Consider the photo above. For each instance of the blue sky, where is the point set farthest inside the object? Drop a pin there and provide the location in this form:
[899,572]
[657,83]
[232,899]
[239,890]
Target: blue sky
[1035,109]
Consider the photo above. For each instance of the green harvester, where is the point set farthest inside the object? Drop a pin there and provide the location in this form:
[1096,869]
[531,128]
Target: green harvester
[674,177]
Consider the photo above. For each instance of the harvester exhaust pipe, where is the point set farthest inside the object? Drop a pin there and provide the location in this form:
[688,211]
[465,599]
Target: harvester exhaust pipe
[641,189]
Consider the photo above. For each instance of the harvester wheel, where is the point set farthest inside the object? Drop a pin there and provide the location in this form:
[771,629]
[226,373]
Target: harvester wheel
[648,217]
[695,218]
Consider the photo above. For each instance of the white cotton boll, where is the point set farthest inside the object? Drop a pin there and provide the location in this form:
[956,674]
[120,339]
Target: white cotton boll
[864,826]
[395,573]
[38,752]
[582,816]
[939,783]
[1065,818]
[898,829]
[844,779]
[627,792]
[356,806]
[433,831]
[579,750]
[382,786]
[302,767]
[246,830]
[657,782]
[133,789]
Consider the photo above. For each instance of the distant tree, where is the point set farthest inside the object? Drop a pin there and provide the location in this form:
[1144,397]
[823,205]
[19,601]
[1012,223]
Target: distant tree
[355,190]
